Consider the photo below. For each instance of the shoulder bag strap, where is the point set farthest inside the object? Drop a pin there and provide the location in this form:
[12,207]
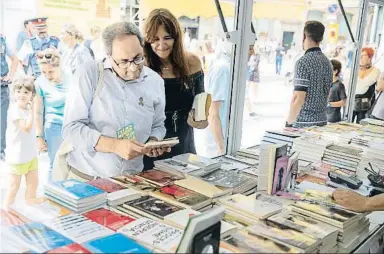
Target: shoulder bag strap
[100,66]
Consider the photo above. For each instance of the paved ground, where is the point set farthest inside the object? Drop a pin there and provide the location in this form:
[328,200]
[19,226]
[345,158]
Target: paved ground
[271,107]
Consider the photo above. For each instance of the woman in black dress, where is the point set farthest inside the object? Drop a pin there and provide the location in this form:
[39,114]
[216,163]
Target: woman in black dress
[182,73]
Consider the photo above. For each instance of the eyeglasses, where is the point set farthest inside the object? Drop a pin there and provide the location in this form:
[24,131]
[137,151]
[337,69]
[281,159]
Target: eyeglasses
[126,63]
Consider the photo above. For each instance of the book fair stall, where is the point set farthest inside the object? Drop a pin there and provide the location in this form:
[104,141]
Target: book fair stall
[275,197]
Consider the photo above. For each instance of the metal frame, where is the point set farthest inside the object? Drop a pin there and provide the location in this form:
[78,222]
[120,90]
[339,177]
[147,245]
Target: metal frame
[242,37]
[362,23]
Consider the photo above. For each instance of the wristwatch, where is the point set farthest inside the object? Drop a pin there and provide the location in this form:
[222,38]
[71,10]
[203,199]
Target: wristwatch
[288,124]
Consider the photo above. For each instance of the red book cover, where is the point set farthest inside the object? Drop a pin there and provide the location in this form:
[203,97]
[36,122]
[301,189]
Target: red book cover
[72,248]
[158,177]
[106,185]
[108,218]
[7,219]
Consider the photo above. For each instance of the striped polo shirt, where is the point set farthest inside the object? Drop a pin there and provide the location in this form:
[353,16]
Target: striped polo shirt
[313,75]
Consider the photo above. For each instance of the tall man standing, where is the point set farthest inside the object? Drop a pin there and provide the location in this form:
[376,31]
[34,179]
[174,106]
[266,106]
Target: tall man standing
[37,43]
[312,81]
[6,76]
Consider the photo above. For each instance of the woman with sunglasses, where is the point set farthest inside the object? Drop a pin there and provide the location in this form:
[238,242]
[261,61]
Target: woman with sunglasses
[51,90]
[74,54]
[182,74]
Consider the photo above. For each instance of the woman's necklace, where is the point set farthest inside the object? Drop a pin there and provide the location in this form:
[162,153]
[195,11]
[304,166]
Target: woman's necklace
[165,68]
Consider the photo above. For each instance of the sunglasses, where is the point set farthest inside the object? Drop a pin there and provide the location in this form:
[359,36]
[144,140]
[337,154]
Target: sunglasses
[46,55]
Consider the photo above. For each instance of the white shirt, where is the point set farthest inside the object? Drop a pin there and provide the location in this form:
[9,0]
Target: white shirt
[21,146]
[364,84]
[139,103]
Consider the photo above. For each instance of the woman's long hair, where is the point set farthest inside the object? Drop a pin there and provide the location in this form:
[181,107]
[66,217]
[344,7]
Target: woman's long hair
[163,17]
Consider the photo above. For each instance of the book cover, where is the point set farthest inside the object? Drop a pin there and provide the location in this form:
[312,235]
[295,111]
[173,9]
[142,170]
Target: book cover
[74,189]
[153,206]
[154,234]
[226,178]
[41,237]
[158,177]
[72,248]
[181,218]
[283,234]
[202,187]
[78,228]
[116,243]
[130,181]
[281,174]
[329,212]
[7,219]
[182,195]
[108,218]
[229,164]
[176,165]
[196,160]
[248,242]
[106,185]
[251,206]
[305,224]
[38,209]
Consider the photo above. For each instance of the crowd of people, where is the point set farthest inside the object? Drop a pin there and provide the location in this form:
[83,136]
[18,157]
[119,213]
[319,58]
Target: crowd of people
[97,104]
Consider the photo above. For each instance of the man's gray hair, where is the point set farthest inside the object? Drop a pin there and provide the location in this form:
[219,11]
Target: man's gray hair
[117,29]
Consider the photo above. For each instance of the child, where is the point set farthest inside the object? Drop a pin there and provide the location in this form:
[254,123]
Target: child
[337,95]
[21,153]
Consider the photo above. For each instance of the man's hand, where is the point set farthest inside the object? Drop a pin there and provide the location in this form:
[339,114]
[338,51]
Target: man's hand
[350,200]
[41,145]
[129,149]
[158,151]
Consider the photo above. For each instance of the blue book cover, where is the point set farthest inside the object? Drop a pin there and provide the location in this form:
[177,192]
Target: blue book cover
[116,243]
[75,189]
[41,237]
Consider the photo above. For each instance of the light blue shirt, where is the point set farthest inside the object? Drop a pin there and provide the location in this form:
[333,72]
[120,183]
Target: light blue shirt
[54,96]
[218,82]
[73,58]
[21,37]
[139,103]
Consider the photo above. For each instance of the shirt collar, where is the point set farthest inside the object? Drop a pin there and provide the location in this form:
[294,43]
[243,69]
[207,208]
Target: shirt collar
[143,74]
[314,49]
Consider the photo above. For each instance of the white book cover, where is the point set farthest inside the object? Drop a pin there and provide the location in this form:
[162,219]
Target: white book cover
[154,234]
[126,194]
[251,206]
[229,164]
[78,228]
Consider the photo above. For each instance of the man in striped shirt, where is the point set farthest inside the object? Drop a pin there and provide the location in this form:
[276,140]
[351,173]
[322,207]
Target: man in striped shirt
[312,81]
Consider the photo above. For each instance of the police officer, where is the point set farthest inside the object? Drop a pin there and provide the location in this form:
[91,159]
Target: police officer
[5,78]
[39,42]
[23,36]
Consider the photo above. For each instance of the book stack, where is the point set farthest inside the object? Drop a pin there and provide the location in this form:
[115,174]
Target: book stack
[321,231]
[75,195]
[153,234]
[243,159]
[149,207]
[345,157]
[351,225]
[247,206]
[180,220]
[310,149]
[184,164]
[372,121]
[133,182]
[280,137]
[230,164]
[233,180]
[183,197]
[202,187]
[117,194]
[248,242]
[287,235]
[251,152]
[158,178]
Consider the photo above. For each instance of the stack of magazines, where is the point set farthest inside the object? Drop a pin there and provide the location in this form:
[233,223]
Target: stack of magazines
[75,195]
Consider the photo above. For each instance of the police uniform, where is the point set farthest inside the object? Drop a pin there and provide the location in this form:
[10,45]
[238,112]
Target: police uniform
[4,100]
[40,45]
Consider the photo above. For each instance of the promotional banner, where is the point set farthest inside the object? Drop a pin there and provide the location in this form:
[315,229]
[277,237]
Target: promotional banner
[82,13]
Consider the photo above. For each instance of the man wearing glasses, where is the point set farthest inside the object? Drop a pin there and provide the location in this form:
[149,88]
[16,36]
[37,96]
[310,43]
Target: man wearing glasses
[108,130]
